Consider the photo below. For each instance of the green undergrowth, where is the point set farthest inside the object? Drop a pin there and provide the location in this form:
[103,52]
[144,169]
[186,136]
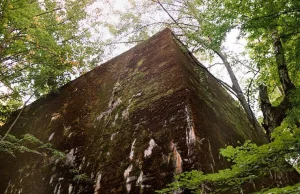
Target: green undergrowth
[14,146]
[250,164]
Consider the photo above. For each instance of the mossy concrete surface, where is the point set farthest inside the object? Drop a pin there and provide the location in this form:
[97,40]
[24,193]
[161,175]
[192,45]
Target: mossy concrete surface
[128,125]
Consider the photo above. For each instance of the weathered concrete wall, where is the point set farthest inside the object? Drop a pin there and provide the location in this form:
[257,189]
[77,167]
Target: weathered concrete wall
[129,125]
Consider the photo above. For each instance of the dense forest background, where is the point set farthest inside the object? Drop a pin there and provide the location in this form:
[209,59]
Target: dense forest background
[44,44]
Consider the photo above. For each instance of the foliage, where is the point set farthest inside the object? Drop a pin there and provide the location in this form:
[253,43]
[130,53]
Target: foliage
[289,189]
[41,43]
[82,178]
[258,21]
[7,108]
[250,164]
[14,146]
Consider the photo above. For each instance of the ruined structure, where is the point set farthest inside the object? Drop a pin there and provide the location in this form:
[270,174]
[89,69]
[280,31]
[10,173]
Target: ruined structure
[129,125]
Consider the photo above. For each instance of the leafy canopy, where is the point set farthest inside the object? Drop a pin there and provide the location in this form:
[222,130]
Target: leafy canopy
[41,44]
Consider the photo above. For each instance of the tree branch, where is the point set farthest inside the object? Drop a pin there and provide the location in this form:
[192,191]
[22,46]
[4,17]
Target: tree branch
[17,118]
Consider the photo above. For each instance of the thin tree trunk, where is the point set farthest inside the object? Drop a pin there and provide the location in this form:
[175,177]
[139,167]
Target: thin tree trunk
[239,93]
[16,119]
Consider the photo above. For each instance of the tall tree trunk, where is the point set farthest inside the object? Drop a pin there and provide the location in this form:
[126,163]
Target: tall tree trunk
[239,93]
[285,80]
[273,116]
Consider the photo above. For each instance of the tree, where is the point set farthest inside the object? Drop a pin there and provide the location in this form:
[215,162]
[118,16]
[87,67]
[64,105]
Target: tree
[41,43]
[274,24]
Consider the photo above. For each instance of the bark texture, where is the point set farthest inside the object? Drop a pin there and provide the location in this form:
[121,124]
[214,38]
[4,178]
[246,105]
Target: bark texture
[274,115]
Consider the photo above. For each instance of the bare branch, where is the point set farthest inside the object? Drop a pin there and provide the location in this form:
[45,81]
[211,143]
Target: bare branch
[17,118]
[124,42]
[214,65]
[170,15]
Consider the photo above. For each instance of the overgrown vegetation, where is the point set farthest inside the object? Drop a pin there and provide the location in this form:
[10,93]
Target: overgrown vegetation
[250,164]
[14,146]
[41,44]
